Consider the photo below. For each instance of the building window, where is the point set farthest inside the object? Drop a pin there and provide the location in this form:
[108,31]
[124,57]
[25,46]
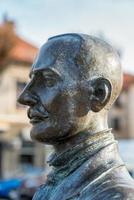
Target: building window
[27,159]
[27,153]
[116,124]
[19,87]
[27,144]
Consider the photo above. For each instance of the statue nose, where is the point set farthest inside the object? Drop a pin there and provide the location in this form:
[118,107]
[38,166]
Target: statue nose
[26,98]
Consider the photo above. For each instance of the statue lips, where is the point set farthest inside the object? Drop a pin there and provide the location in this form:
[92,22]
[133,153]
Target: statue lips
[36,116]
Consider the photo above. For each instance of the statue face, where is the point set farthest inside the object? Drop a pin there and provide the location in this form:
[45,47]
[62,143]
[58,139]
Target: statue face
[57,99]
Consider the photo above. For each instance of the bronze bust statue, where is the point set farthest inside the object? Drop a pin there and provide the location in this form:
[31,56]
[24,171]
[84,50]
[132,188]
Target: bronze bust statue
[74,81]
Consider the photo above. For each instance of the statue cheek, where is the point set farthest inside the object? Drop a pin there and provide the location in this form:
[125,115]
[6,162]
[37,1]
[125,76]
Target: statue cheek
[82,103]
[49,99]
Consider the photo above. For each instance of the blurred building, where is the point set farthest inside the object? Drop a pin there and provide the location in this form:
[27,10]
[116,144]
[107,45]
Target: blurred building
[121,116]
[16,148]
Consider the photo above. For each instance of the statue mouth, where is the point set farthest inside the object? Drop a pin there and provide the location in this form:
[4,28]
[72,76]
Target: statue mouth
[36,120]
[36,116]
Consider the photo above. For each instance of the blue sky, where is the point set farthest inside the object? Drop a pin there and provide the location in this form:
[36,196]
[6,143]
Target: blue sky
[37,20]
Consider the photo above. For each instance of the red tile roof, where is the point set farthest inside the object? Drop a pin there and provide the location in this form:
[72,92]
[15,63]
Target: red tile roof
[23,51]
[127,81]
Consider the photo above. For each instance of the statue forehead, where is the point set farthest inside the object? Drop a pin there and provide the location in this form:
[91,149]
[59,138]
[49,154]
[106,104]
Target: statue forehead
[58,50]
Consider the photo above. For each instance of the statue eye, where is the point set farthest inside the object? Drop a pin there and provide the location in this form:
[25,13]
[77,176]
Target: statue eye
[50,78]
[50,82]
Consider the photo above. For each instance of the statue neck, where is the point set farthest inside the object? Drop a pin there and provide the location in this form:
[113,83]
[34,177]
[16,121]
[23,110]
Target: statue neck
[80,150]
[98,131]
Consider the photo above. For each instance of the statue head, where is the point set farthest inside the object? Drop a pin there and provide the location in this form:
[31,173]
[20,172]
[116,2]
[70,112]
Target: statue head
[73,82]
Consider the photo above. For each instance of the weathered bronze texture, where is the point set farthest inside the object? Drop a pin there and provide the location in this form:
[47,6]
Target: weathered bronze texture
[74,81]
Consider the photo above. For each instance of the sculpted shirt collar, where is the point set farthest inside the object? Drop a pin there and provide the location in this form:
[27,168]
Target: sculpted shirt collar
[86,165]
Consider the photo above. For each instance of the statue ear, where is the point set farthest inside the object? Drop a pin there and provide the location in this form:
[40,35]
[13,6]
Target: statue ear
[101,93]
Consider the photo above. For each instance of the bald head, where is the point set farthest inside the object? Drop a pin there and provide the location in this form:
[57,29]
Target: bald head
[93,58]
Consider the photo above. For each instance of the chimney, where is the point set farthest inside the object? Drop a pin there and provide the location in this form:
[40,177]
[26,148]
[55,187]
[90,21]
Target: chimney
[8,24]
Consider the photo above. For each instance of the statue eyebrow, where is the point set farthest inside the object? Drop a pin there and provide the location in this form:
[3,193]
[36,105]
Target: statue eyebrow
[47,70]
[52,70]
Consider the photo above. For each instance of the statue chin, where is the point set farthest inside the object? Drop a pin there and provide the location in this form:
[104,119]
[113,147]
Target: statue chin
[45,133]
